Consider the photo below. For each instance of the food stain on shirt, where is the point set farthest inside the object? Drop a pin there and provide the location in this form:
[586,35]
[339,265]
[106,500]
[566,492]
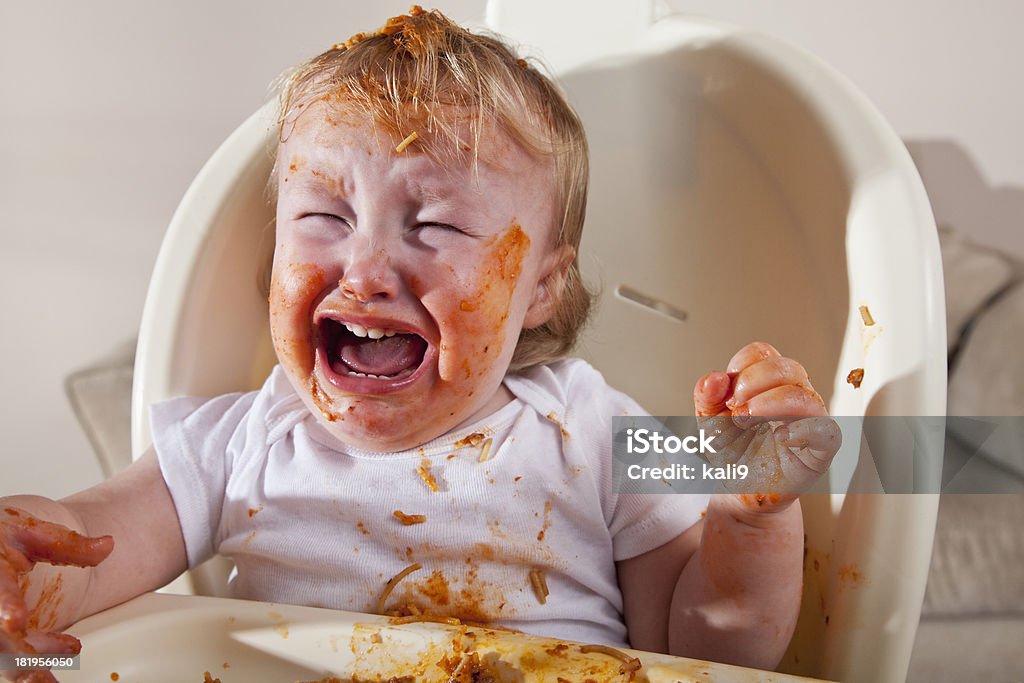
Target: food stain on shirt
[547,521]
[466,597]
[424,470]
[474,439]
[409,520]
[554,418]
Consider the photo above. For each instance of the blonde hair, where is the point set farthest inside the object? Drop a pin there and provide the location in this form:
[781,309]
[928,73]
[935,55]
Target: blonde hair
[411,74]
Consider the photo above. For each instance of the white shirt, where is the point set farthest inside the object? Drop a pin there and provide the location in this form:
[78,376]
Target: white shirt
[309,520]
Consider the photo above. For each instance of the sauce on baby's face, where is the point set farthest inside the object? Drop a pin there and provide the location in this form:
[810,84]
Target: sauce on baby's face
[395,241]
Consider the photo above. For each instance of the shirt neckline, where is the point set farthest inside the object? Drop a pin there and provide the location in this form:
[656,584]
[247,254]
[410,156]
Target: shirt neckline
[441,445]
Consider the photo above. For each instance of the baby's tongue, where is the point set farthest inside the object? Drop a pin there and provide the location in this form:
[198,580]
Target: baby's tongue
[384,356]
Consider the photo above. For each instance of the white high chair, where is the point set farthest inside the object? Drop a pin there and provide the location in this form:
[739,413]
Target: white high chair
[740,189]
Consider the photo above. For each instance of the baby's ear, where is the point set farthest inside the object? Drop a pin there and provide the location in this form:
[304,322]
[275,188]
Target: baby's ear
[548,293]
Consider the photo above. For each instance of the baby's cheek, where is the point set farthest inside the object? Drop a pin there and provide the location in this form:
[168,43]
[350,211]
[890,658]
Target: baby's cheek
[293,289]
[478,323]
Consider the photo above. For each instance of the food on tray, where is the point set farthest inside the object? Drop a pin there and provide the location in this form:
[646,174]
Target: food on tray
[477,654]
[629,664]
[392,582]
[855,377]
[402,650]
[420,618]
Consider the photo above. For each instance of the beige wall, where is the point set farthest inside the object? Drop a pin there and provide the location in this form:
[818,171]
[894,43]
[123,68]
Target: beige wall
[109,108]
[107,111]
[946,75]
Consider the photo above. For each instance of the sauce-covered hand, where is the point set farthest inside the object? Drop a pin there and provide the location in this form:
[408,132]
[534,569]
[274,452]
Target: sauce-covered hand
[764,414]
[24,541]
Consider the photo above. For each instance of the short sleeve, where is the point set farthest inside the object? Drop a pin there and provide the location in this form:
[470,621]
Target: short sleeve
[195,442]
[645,521]
[637,522]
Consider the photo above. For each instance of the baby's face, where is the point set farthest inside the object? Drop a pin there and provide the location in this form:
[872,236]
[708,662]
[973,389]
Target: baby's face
[400,286]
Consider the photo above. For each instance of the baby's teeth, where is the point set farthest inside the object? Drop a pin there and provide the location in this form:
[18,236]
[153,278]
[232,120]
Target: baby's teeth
[371,332]
[353,373]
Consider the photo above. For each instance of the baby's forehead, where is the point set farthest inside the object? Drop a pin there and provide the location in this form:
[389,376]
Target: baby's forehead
[453,137]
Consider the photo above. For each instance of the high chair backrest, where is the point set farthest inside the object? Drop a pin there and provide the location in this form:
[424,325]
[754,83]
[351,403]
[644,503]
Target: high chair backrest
[740,189]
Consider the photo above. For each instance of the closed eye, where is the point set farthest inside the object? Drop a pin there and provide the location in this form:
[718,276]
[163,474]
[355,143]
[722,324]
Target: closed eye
[441,226]
[328,216]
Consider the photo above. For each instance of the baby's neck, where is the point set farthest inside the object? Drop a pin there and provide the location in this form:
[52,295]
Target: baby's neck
[501,398]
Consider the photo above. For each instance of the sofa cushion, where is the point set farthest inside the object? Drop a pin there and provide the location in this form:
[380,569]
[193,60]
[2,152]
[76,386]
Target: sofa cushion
[101,396]
[977,557]
[987,378]
[973,275]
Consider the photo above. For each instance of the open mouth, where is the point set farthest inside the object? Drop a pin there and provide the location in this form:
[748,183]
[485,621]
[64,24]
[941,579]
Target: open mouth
[374,353]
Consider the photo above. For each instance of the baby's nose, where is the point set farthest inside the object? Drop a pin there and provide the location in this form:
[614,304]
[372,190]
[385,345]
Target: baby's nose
[369,277]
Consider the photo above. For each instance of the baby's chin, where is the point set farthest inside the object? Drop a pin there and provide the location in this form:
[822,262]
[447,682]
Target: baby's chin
[370,436]
[401,420]
[376,427]
[377,424]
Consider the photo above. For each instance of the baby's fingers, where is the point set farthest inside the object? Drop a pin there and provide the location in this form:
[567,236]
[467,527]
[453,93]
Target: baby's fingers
[56,544]
[54,643]
[764,375]
[37,643]
[14,644]
[781,403]
[13,612]
[754,352]
[33,676]
[709,394]
[817,438]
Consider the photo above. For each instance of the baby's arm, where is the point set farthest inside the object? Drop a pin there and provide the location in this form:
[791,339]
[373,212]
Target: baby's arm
[728,589]
[134,508]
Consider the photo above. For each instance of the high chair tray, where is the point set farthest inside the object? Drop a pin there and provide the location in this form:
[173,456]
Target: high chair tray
[175,638]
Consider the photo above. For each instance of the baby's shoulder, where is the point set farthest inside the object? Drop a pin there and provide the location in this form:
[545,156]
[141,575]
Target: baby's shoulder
[571,385]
